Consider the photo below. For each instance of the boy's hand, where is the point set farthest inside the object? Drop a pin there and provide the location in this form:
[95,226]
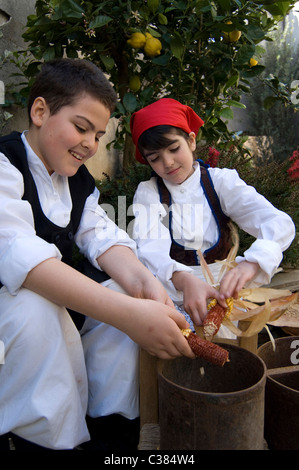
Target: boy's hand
[125,268]
[235,279]
[151,324]
[150,288]
[157,329]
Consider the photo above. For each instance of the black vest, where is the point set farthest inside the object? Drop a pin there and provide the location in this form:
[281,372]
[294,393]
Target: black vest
[81,186]
[220,250]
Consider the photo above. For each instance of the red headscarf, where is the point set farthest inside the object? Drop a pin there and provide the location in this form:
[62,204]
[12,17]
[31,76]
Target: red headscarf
[165,111]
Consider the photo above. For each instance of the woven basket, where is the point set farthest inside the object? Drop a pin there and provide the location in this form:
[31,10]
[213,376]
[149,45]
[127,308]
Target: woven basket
[292,311]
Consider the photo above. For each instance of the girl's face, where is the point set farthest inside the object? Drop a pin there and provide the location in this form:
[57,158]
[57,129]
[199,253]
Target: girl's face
[67,139]
[175,162]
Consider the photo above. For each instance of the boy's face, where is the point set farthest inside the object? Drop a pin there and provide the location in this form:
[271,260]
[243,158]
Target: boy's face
[66,140]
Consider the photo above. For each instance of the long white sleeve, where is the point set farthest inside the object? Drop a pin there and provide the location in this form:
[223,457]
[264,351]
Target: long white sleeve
[20,249]
[152,236]
[97,232]
[273,229]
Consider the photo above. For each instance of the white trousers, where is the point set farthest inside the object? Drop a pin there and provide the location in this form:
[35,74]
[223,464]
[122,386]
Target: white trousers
[52,375]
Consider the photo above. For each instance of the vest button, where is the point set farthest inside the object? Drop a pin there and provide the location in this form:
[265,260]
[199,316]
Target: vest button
[57,238]
[70,235]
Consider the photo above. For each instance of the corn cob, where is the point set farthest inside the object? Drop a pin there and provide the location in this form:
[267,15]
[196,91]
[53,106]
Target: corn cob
[205,349]
[215,317]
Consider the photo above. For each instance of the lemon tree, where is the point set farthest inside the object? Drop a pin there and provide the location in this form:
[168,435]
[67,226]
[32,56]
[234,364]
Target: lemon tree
[197,51]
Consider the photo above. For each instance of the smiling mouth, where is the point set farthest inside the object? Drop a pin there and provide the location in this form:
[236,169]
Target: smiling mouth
[172,172]
[76,155]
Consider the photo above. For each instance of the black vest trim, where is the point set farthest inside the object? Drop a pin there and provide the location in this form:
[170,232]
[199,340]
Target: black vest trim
[81,186]
[221,248]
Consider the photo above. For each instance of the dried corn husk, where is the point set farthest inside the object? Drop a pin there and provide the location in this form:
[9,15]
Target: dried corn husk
[289,318]
[247,307]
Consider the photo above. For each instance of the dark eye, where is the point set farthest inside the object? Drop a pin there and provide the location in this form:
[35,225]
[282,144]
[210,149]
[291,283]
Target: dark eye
[80,129]
[153,159]
[173,150]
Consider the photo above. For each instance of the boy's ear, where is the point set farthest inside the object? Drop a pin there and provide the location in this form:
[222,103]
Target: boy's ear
[39,110]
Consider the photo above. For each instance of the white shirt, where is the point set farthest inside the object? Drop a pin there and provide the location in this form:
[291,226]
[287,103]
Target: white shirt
[273,229]
[20,248]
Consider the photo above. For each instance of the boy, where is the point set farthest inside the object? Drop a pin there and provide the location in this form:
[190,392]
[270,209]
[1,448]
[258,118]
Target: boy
[48,202]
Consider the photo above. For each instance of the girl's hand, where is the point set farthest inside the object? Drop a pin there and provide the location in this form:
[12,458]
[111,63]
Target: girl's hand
[235,279]
[196,295]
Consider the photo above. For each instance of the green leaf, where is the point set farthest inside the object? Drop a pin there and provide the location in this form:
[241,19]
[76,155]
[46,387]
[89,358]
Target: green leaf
[254,33]
[99,21]
[270,101]
[236,104]
[69,9]
[161,60]
[49,53]
[224,4]
[226,113]
[153,5]
[177,46]
[154,32]
[146,94]
[107,61]
[231,82]
[120,108]
[130,102]
[253,71]
[278,8]
[162,19]
[245,53]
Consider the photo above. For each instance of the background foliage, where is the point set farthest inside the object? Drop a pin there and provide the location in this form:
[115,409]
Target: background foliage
[268,115]
[196,64]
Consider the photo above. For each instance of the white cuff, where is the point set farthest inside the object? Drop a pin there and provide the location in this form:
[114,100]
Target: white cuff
[21,258]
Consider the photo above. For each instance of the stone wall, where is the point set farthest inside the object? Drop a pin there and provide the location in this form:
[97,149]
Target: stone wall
[13,18]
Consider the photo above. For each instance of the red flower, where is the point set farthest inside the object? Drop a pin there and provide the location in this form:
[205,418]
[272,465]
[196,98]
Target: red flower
[293,171]
[295,155]
[213,157]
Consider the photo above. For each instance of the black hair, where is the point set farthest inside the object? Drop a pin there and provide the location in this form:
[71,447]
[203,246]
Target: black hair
[61,81]
[155,138]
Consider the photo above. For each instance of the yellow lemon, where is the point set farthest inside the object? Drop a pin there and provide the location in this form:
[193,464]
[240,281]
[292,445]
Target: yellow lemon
[148,35]
[134,83]
[152,47]
[137,40]
[231,36]
[253,62]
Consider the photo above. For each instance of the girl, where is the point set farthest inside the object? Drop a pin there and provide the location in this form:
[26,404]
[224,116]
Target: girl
[186,207]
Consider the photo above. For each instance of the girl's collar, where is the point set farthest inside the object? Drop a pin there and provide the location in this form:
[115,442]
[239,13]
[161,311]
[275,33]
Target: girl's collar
[189,182]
